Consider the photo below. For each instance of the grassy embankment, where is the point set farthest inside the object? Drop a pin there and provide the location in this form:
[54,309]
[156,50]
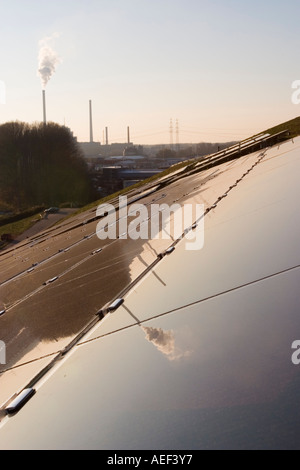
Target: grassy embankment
[293,126]
[17,227]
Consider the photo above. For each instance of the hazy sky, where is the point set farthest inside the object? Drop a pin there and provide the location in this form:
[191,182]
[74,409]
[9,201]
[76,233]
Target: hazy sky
[223,68]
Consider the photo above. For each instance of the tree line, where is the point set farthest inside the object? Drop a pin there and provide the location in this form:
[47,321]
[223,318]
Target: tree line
[41,164]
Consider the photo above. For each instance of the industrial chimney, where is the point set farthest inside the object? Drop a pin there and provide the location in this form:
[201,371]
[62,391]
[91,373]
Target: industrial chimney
[106,136]
[91,123]
[128,135]
[44,107]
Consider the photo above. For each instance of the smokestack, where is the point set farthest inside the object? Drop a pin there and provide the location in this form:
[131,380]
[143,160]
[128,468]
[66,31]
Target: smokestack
[91,123]
[44,107]
[128,135]
[106,136]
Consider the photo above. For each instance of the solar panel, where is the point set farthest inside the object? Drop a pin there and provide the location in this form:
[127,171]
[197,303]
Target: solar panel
[197,353]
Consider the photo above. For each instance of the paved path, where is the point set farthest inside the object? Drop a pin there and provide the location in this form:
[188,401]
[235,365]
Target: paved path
[44,224]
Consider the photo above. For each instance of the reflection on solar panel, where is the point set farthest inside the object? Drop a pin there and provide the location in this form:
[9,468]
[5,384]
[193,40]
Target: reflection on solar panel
[191,351]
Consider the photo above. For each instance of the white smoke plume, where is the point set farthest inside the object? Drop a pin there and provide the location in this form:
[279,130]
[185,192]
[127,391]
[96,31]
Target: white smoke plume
[48,59]
[164,342]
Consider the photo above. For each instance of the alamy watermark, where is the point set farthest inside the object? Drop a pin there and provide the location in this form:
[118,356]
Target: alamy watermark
[159,221]
[296,354]
[2,92]
[296,93]
[2,352]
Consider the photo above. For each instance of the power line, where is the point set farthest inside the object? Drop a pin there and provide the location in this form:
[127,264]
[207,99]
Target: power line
[171,134]
[177,135]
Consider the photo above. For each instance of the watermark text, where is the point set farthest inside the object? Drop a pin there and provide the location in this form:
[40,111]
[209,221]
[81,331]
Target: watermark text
[2,352]
[159,221]
[296,93]
[296,354]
